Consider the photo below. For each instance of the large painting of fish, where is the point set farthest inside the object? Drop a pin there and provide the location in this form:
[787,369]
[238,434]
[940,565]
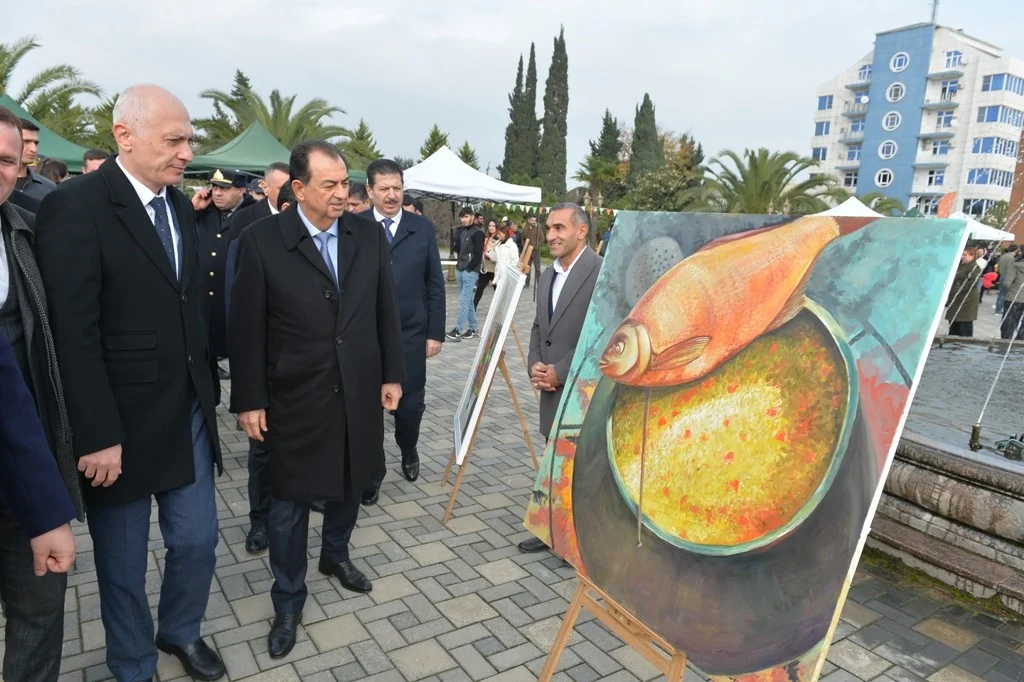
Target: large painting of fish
[732,409]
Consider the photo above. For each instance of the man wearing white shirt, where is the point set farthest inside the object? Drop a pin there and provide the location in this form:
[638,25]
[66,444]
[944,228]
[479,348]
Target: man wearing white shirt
[118,258]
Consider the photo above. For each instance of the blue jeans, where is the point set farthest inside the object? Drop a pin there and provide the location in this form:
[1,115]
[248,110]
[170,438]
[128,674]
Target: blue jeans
[1000,300]
[120,535]
[467,313]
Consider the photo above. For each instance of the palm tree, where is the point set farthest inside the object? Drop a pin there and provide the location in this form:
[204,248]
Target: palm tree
[102,134]
[765,182]
[880,203]
[233,114]
[596,172]
[48,96]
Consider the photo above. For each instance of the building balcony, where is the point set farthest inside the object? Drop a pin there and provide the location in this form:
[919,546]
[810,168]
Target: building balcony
[847,165]
[932,161]
[946,74]
[927,191]
[938,133]
[851,136]
[949,100]
[852,110]
[859,85]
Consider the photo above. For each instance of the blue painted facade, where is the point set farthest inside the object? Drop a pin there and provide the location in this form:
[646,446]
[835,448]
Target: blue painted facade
[917,43]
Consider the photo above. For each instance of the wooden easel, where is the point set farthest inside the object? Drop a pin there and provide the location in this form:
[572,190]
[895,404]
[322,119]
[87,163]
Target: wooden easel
[524,266]
[659,653]
[527,249]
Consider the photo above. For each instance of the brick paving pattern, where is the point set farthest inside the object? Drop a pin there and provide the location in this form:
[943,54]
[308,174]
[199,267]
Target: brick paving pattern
[461,603]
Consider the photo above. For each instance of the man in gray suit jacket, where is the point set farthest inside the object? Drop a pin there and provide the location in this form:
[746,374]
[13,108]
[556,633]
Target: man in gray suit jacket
[563,296]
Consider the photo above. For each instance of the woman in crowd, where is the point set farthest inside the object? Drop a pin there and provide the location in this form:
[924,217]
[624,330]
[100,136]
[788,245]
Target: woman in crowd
[503,254]
[486,263]
[55,170]
[962,307]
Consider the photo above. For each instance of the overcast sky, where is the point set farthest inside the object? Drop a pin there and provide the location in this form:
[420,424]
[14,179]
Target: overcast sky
[735,73]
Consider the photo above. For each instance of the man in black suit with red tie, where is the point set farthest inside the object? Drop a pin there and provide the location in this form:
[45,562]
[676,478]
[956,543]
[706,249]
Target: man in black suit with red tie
[118,257]
[316,350]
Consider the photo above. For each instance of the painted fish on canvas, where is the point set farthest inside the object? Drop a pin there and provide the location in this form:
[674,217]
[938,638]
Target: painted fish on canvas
[711,305]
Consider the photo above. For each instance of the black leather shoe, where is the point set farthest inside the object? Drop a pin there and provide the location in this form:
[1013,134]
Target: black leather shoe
[371,493]
[281,639]
[199,660]
[532,545]
[410,464]
[351,578]
[257,540]
[318,506]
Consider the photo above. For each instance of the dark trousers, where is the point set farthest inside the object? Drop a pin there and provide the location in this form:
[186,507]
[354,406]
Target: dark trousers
[409,415]
[1011,319]
[289,528]
[259,483]
[961,329]
[120,535]
[534,265]
[34,608]
[481,285]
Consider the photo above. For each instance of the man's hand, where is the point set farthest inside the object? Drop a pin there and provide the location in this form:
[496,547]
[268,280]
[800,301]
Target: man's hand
[254,423]
[201,199]
[390,394]
[544,377]
[433,347]
[53,551]
[102,467]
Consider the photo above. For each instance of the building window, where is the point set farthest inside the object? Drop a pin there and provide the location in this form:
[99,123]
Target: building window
[1003,81]
[883,178]
[853,153]
[978,207]
[860,98]
[936,178]
[990,176]
[822,128]
[995,145]
[944,119]
[850,180]
[824,102]
[892,120]
[899,62]
[1001,114]
[819,153]
[928,205]
[865,73]
[887,150]
[950,88]
[895,92]
[940,147]
[954,59]
[857,125]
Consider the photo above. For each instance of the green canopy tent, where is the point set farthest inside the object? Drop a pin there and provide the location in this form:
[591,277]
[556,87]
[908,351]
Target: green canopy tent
[251,152]
[51,145]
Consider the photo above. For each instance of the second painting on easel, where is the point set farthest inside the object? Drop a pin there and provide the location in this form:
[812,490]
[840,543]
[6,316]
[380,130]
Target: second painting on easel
[485,364]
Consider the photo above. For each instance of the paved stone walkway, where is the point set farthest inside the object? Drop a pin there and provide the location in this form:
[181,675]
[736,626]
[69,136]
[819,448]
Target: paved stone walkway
[460,602]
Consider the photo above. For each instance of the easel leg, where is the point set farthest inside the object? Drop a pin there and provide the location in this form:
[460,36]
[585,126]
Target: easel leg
[455,491]
[526,363]
[519,412]
[676,669]
[448,469]
[564,632]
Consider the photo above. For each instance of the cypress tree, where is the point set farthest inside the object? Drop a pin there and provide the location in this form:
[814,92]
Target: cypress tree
[468,155]
[608,145]
[435,140]
[515,163]
[530,122]
[360,149]
[648,149]
[552,163]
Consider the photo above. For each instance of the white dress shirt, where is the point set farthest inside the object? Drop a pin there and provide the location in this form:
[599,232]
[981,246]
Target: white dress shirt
[273,209]
[5,272]
[315,232]
[380,218]
[145,196]
[560,277]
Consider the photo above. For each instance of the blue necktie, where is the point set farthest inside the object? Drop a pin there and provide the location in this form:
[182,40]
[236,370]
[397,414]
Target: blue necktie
[324,238]
[163,229]
[388,222]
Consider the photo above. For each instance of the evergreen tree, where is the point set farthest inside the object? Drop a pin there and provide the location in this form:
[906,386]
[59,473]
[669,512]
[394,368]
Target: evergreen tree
[360,149]
[608,146]
[515,161]
[648,148]
[435,140]
[404,162]
[552,163]
[242,85]
[468,155]
[530,122]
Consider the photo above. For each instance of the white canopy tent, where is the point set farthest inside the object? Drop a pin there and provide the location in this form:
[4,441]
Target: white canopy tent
[443,175]
[854,207]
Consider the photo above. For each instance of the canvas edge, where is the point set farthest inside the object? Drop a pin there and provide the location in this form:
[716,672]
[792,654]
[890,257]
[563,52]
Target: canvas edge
[884,474]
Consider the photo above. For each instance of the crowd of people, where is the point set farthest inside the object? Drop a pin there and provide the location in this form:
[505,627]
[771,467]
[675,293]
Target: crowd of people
[978,273]
[123,306]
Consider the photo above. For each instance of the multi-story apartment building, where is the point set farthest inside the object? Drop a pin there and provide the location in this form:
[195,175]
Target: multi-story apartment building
[929,111]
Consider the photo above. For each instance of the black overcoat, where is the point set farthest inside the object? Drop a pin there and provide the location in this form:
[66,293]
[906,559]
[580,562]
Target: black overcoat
[313,355]
[130,337]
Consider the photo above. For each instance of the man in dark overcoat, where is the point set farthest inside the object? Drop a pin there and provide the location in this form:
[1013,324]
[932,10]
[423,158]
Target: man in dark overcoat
[316,351]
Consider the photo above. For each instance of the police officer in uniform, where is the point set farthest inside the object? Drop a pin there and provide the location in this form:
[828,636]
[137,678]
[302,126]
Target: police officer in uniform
[214,208]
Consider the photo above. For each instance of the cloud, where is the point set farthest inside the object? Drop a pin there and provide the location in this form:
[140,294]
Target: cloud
[736,73]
